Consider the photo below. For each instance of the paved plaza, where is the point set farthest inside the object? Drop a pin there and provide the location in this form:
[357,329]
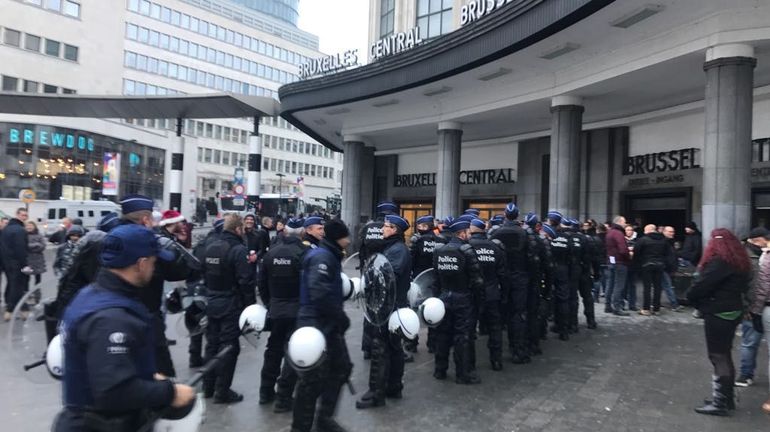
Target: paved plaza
[632,374]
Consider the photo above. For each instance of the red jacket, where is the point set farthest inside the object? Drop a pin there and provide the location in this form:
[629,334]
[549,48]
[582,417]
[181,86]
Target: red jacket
[616,246]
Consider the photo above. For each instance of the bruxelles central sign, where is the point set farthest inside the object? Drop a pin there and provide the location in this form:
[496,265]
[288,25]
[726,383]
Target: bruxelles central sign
[477,9]
[486,176]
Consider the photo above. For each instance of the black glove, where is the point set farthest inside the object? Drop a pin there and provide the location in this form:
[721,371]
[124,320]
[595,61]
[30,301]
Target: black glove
[756,321]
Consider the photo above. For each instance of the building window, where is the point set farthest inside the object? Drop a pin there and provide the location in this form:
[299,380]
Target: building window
[226,158]
[434,17]
[71,8]
[47,88]
[70,52]
[207,156]
[12,37]
[10,84]
[68,91]
[32,42]
[53,4]
[760,150]
[217,156]
[200,154]
[52,47]
[30,86]
[387,17]
[265,164]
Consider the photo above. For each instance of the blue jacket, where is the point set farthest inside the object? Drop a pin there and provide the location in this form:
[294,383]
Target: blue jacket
[320,291]
[401,260]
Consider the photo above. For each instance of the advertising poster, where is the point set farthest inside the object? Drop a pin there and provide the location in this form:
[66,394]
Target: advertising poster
[111,174]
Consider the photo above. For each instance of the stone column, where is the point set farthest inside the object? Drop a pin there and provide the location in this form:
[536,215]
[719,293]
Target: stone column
[353,148]
[564,184]
[727,146]
[448,170]
[254,176]
[177,166]
[367,182]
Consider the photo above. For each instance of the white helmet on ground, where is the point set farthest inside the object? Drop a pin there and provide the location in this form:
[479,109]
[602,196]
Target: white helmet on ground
[432,311]
[306,349]
[54,357]
[253,318]
[191,421]
[404,321]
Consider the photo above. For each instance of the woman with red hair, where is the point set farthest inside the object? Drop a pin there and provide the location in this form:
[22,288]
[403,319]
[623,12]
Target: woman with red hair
[717,292]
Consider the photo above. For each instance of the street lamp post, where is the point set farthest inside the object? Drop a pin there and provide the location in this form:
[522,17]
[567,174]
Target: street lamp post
[280,189]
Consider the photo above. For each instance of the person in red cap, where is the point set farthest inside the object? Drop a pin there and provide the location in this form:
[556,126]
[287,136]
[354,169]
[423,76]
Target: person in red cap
[170,223]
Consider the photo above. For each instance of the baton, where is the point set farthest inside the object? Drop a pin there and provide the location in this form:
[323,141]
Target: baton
[192,381]
[40,362]
[350,387]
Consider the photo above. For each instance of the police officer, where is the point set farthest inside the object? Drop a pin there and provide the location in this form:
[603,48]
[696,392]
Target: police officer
[586,278]
[197,287]
[370,243]
[109,355]
[279,278]
[560,253]
[314,231]
[494,224]
[518,249]
[321,306]
[459,283]
[492,261]
[229,271]
[539,284]
[421,248]
[387,367]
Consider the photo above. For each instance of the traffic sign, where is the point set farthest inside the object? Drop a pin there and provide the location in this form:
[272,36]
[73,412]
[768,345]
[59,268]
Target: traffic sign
[27,196]
[239,189]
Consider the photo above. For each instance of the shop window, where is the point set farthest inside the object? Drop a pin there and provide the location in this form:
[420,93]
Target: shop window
[434,17]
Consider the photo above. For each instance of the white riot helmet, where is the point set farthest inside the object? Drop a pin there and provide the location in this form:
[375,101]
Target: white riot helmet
[253,318]
[347,286]
[190,422]
[358,289]
[404,322]
[307,346]
[54,357]
[432,311]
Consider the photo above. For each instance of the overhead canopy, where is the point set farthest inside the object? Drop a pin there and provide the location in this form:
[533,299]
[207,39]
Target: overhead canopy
[217,105]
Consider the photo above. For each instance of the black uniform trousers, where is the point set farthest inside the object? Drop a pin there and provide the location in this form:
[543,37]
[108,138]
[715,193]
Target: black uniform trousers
[220,332]
[533,312]
[386,370]
[561,293]
[491,319]
[196,346]
[163,363]
[517,313]
[582,284]
[455,330]
[325,381]
[280,332]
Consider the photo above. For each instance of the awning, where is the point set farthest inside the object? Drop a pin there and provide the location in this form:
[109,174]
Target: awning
[206,106]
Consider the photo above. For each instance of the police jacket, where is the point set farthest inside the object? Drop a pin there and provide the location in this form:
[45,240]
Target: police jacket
[561,248]
[310,242]
[515,243]
[580,254]
[542,266]
[398,255]
[654,251]
[14,241]
[229,276]
[492,261]
[457,269]
[421,249]
[371,240]
[320,291]
[279,276]
[109,354]
[83,271]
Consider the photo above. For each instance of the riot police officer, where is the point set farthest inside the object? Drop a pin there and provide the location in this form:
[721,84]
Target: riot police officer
[421,248]
[560,253]
[586,278]
[387,367]
[314,231]
[492,261]
[459,283]
[109,356]
[321,306]
[539,286]
[229,272]
[370,243]
[279,278]
[494,224]
[517,247]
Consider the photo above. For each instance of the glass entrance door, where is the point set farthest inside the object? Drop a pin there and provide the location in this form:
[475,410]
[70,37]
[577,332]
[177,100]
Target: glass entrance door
[412,211]
[487,208]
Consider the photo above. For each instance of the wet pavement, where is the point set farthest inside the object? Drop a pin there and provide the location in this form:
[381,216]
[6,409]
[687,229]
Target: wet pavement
[632,374]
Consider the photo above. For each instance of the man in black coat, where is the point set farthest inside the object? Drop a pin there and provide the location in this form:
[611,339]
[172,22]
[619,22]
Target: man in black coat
[692,249]
[14,257]
[387,368]
[653,256]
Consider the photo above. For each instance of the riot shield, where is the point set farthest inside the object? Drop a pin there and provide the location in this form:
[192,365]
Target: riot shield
[421,288]
[27,335]
[193,321]
[350,266]
[379,296]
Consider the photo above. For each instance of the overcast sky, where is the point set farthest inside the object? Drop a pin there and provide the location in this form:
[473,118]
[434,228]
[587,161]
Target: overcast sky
[339,24]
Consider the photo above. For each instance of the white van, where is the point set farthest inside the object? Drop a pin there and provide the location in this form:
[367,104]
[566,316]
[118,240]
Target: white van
[90,212]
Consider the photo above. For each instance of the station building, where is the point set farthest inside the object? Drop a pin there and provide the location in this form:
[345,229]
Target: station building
[658,111]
